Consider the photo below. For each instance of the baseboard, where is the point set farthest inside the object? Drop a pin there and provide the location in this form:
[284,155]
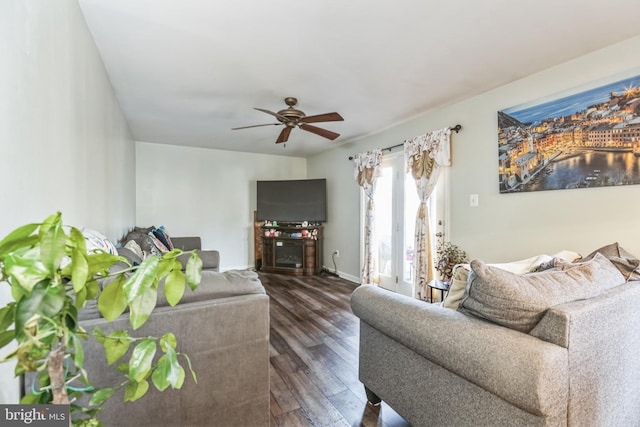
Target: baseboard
[341,274]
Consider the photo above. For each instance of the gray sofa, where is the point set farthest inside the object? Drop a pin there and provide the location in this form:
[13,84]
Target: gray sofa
[435,366]
[224,328]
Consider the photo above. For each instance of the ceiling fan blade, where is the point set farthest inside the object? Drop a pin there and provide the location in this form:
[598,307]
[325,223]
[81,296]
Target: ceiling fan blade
[319,131]
[276,115]
[255,126]
[328,117]
[284,135]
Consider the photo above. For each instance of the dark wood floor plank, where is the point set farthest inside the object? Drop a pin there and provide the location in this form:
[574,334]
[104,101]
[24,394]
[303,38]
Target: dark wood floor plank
[314,355]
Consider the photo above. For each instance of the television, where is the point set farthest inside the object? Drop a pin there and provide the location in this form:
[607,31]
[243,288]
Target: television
[292,200]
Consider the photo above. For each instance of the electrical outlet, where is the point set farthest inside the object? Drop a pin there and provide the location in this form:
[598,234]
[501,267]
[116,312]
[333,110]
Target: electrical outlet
[337,253]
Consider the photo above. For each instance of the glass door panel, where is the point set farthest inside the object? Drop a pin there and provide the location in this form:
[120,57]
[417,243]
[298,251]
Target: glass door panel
[383,200]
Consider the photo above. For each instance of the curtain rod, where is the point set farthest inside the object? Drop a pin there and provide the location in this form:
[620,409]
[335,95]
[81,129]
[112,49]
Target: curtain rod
[456,129]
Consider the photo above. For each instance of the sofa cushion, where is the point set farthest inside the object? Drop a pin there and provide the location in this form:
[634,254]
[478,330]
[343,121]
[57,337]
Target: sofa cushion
[519,301]
[215,285]
[527,265]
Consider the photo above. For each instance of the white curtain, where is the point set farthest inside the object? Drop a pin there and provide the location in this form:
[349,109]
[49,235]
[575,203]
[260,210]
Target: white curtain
[367,169]
[425,155]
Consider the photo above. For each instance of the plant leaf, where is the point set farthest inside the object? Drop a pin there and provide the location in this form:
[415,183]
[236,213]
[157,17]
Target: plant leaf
[52,247]
[99,335]
[18,238]
[26,270]
[168,339]
[141,308]
[77,240]
[174,286]
[79,270]
[99,263]
[115,344]
[112,301]
[92,288]
[168,371]
[6,337]
[44,300]
[194,271]
[143,278]
[141,359]
[6,315]
[78,356]
[81,298]
[101,396]
[135,390]
[193,373]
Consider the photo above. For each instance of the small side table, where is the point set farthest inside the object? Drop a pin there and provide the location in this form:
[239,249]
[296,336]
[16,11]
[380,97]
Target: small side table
[439,285]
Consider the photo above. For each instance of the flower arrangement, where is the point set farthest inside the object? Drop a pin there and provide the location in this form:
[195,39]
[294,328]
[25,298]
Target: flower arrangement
[448,256]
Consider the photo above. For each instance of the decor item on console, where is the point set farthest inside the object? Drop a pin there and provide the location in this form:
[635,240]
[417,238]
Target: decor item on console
[54,272]
[556,347]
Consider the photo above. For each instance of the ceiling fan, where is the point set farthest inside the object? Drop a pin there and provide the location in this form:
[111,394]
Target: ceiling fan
[291,117]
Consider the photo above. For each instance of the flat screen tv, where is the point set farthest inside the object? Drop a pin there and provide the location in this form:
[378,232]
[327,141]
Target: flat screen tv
[292,200]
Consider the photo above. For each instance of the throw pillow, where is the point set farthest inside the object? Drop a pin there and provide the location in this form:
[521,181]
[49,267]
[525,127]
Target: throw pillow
[457,286]
[141,236]
[162,235]
[134,247]
[527,265]
[98,241]
[626,263]
[520,301]
[158,244]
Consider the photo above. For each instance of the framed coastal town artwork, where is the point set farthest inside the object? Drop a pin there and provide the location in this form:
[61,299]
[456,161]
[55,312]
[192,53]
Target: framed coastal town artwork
[582,138]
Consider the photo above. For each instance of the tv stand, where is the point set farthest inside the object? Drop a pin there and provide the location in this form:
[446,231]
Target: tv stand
[291,249]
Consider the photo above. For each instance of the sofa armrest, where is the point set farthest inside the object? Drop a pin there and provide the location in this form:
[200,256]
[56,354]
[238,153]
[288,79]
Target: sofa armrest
[210,259]
[602,336]
[186,243]
[521,369]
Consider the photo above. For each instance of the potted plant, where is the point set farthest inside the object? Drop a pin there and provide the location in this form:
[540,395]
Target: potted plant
[448,256]
[52,276]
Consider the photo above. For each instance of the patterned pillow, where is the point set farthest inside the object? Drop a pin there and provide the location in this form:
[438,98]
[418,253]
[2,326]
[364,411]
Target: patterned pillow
[519,301]
[161,234]
[97,241]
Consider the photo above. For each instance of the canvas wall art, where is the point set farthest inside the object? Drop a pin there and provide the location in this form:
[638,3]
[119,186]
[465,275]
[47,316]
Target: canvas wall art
[582,138]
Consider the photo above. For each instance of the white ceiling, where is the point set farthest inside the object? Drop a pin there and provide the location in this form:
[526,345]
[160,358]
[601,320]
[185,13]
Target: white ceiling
[187,71]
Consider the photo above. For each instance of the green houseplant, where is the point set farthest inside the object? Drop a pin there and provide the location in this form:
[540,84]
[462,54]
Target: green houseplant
[52,276]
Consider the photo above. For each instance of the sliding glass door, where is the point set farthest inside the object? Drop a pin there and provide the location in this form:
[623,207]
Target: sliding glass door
[396,204]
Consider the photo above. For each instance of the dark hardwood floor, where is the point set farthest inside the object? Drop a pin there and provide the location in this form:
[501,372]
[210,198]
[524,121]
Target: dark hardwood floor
[314,355]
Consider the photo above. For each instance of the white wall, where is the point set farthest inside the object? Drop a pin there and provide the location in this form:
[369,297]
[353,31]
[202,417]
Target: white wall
[207,193]
[64,144]
[504,226]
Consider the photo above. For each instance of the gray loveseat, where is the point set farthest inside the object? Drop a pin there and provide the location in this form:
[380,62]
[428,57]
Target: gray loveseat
[577,366]
[224,328]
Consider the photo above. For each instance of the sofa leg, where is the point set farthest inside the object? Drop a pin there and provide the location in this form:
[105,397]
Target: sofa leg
[372,397]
